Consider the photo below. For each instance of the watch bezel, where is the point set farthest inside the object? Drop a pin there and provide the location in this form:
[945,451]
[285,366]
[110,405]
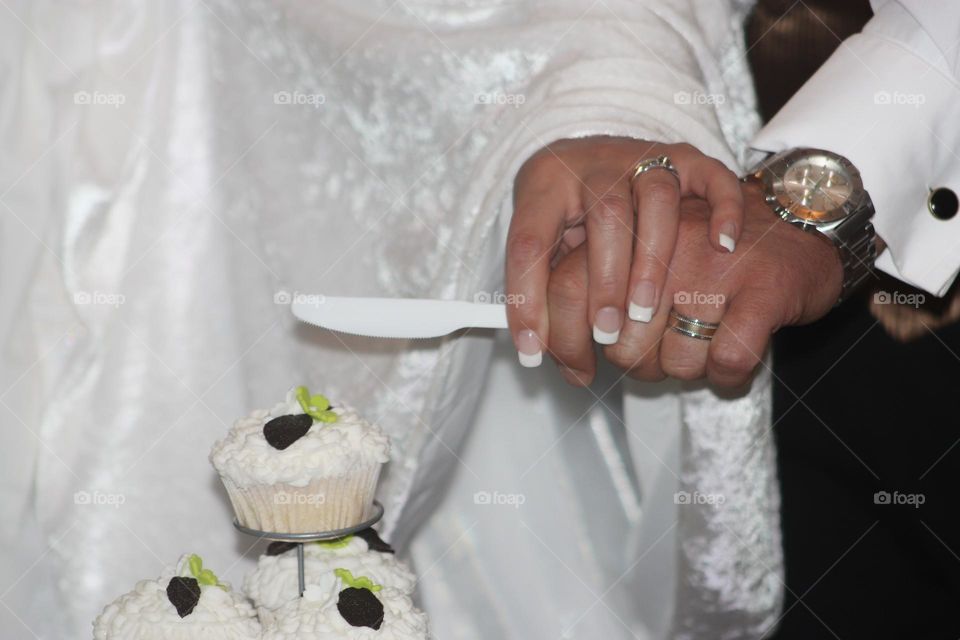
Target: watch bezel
[772,171]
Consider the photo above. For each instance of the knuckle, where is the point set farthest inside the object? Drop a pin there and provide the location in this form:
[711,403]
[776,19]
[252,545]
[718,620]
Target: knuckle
[524,248]
[607,282]
[727,380]
[731,358]
[646,374]
[543,162]
[566,287]
[683,368]
[611,211]
[622,357]
[660,192]
[715,166]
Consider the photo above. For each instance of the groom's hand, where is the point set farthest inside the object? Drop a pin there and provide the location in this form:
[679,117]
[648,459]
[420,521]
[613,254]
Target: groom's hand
[781,276]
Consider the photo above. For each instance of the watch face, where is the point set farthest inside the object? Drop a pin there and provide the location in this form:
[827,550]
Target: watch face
[817,187]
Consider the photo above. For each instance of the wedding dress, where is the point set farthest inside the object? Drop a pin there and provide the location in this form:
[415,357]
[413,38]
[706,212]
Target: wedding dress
[175,171]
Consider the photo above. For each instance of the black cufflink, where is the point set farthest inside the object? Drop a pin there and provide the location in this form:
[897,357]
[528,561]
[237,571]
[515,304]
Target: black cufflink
[942,203]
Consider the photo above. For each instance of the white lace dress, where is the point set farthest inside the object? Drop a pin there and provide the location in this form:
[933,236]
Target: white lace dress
[172,170]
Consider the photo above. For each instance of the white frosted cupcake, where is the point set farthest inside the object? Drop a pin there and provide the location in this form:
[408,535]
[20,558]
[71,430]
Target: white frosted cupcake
[342,607]
[185,603]
[304,466]
[274,582]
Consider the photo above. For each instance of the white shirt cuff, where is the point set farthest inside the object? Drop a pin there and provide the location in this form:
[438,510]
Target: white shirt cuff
[887,101]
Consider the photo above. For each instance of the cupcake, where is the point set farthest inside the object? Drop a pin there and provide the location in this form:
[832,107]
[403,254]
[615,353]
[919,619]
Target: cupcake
[302,467]
[185,603]
[274,582]
[342,606]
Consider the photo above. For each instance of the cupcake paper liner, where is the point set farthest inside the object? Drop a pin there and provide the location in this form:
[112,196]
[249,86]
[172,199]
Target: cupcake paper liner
[325,504]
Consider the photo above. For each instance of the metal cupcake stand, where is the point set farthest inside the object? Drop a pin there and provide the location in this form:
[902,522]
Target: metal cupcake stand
[301,538]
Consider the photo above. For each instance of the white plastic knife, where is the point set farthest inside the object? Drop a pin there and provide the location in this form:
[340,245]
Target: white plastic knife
[397,317]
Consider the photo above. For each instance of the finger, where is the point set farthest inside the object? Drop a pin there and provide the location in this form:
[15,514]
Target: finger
[575,236]
[682,356]
[639,349]
[570,342]
[710,179]
[637,352]
[609,220]
[540,206]
[740,343]
[656,195]
[572,238]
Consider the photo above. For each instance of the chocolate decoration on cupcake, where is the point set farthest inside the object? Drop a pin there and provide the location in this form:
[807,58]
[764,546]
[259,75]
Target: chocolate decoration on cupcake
[374,541]
[279,548]
[360,607]
[184,594]
[282,432]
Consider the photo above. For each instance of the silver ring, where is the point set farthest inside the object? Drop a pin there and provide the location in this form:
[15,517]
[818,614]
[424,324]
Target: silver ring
[691,327]
[660,162]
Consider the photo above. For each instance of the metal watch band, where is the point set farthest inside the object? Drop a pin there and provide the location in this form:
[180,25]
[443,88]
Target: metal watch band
[854,237]
[855,240]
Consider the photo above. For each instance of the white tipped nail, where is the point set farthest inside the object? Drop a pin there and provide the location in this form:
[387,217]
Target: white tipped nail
[605,337]
[606,325]
[727,242]
[530,360]
[528,349]
[640,314]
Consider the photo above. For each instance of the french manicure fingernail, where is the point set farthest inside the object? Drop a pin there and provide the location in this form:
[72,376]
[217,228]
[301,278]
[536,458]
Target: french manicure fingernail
[726,236]
[641,303]
[606,325]
[528,349]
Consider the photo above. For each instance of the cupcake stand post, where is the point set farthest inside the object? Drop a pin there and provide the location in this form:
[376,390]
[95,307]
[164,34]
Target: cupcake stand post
[300,538]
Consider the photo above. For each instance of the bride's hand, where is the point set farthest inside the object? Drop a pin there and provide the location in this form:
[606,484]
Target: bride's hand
[584,189]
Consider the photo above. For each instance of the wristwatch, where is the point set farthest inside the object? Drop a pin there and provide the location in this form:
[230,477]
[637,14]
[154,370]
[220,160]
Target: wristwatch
[821,191]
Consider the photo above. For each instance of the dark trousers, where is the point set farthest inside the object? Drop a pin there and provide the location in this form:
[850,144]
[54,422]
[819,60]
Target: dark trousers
[869,462]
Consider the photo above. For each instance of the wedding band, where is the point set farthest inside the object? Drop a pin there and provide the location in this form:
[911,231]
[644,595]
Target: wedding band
[691,327]
[660,162]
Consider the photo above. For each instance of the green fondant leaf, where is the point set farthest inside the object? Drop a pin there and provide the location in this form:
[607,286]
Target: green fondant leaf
[361,582]
[326,416]
[316,406]
[336,543]
[203,576]
[207,577]
[196,565]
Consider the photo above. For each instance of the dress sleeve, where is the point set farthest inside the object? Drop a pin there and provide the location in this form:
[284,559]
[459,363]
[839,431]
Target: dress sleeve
[650,70]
